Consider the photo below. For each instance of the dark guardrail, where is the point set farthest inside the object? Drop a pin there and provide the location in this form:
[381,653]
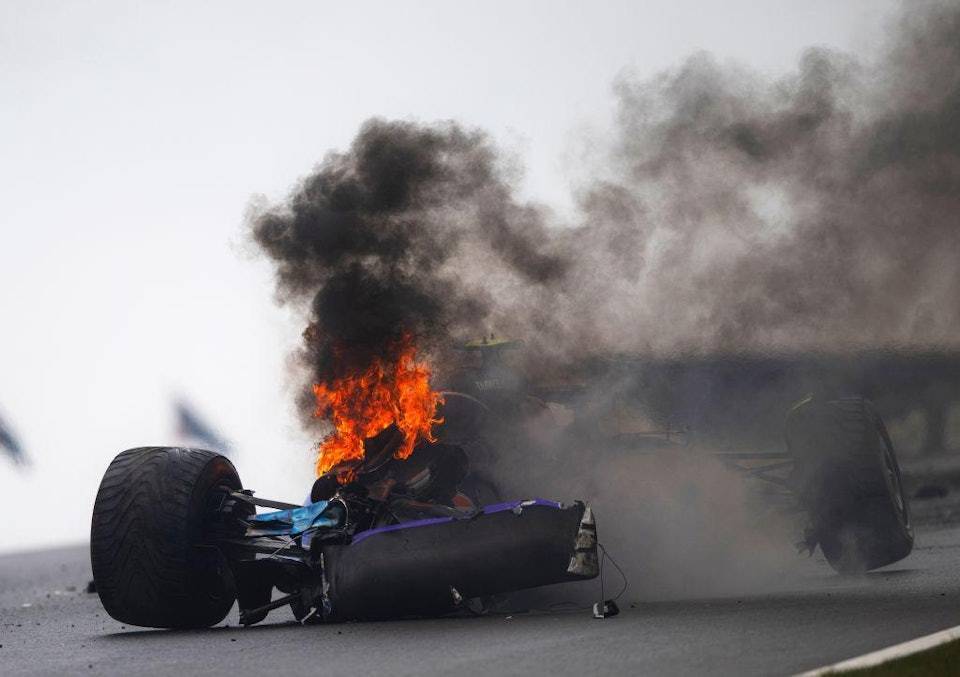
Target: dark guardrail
[739,402]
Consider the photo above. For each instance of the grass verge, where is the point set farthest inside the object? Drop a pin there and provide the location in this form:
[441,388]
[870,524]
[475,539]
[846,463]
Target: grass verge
[940,660]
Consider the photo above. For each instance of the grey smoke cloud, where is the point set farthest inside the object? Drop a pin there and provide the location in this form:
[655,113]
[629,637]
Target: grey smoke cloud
[817,212]
[732,214]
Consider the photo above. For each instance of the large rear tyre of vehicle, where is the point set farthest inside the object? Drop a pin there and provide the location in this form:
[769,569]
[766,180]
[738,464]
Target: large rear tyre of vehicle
[154,563]
[848,479]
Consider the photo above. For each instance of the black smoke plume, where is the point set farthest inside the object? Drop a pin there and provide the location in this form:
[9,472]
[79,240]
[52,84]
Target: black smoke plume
[380,240]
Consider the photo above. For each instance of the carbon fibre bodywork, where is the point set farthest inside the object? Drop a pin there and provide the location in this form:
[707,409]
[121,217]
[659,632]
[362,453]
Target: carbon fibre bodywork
[418,568]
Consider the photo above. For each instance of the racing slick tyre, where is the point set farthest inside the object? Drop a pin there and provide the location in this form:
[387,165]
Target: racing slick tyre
[848,479]
[150,542]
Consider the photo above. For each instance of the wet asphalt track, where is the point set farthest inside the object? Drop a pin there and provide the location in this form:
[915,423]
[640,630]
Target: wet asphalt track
[816,619]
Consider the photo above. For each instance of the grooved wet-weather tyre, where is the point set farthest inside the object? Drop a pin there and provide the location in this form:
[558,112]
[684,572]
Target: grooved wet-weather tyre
[153,564]
[848,478]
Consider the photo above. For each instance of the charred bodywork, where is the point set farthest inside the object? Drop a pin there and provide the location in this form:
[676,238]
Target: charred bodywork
[425,567]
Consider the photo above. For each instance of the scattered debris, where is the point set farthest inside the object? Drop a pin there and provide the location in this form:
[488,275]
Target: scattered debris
[605,609]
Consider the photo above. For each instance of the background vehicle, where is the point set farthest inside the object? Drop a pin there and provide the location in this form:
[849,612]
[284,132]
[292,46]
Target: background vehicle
[833,457]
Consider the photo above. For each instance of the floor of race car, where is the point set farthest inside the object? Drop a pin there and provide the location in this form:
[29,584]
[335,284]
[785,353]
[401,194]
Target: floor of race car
[49,625]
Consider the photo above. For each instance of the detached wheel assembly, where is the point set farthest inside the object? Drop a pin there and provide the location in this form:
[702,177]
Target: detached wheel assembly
[848,479]
[151,545]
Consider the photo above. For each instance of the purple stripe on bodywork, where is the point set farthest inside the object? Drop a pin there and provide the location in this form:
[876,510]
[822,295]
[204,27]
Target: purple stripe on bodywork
[487,510]
[396,527]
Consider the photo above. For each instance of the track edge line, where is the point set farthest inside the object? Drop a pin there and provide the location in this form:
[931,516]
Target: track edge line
[881,656]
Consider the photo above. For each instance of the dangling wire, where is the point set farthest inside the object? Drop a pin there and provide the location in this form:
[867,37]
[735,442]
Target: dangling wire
[573,606]
[281,548]
[602,558]
[606,556]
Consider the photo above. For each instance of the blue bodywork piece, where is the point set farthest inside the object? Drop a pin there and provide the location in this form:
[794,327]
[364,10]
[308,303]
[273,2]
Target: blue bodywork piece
[295,521]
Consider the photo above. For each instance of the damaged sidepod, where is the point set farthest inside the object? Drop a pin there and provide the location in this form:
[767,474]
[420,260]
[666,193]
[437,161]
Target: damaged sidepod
[429,567]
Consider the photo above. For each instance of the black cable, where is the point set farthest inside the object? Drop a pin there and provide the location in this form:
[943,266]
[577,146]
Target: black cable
[573,606]
[626,583]
[602,558]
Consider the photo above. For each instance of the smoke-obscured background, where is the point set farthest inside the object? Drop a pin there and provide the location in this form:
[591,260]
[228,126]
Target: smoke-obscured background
[134,138]
[727,212]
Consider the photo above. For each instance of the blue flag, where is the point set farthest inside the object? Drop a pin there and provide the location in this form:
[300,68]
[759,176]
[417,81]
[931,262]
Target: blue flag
[191,425]
[10,445]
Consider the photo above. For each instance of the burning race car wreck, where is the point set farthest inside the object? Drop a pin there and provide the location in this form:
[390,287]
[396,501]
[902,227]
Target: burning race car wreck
[392,252]
[392,527]
[402,531]
[185,558]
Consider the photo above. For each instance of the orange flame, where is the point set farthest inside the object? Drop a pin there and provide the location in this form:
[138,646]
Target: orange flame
[391,390]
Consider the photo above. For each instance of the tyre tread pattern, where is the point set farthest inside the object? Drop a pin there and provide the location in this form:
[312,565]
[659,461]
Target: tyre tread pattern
[143,533]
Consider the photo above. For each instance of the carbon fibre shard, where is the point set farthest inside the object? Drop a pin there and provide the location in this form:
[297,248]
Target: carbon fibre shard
[584,561]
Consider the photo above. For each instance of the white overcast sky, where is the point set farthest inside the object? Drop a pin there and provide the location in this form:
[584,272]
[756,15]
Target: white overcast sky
[133,135]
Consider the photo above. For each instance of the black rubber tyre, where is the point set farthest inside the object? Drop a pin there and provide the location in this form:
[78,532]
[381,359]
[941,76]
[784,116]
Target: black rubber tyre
[153,564]
[848,479]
